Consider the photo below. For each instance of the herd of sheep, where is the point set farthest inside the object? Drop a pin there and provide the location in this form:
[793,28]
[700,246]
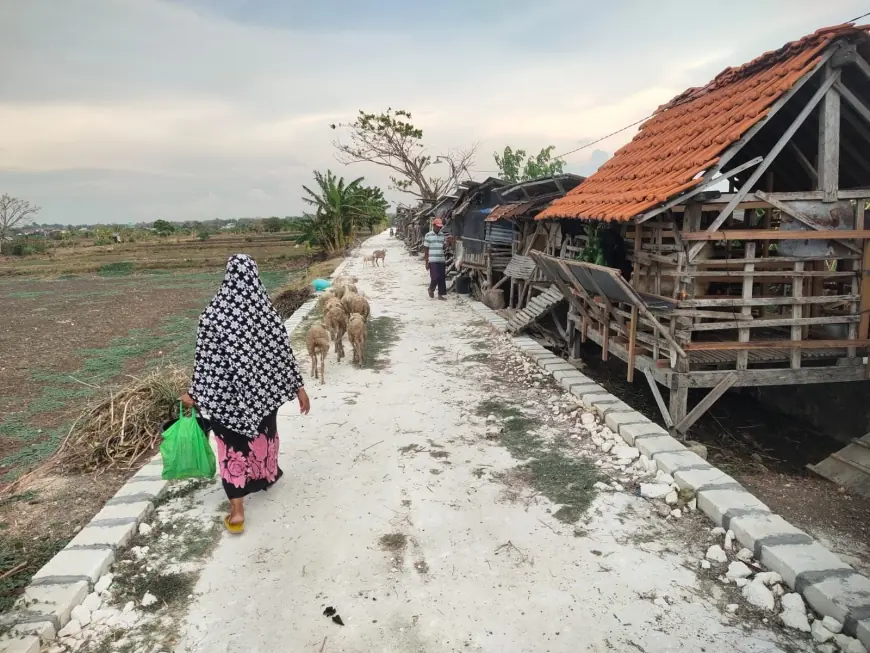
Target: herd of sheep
[345,310]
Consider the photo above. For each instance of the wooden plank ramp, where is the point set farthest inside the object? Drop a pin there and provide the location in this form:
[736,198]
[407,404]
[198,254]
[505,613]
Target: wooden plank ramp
[849,467]
[537,307]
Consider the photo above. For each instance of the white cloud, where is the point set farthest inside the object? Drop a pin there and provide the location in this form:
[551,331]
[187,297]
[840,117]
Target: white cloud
[152,107]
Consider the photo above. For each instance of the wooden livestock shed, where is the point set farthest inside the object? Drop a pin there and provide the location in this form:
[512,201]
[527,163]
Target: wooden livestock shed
[511,233]
[466,221]
[742,205]
[416,222]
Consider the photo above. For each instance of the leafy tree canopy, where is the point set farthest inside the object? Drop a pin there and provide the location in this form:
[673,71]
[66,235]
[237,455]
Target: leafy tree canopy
[517,165]
[164,227]
[391,140]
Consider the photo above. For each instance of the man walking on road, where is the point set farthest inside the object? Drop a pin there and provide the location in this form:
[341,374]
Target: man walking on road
[433,256]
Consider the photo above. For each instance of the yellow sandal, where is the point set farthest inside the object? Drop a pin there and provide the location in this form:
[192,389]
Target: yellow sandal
[235,529]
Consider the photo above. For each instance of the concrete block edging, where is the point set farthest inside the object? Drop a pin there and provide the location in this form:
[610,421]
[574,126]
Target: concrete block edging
[830,586]
[65,580]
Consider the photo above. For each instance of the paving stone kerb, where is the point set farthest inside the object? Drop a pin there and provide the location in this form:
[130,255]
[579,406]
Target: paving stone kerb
[830,586]
[69,576]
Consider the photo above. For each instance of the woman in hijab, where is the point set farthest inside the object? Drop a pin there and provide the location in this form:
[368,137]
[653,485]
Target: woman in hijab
[244,370]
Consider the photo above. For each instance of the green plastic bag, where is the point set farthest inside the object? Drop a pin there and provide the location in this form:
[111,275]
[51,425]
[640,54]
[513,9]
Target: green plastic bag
[185,449]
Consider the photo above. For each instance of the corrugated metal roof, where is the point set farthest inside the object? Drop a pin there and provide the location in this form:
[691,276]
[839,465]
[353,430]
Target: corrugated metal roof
[517,209]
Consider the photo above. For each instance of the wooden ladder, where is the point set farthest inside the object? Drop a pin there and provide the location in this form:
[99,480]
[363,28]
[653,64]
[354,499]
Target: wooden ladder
[537,307]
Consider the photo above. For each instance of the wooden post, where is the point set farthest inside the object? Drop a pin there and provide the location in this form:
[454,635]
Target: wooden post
[829,139]
[797,291]
[743,333]
[679,400]
[632,343]
[636,279]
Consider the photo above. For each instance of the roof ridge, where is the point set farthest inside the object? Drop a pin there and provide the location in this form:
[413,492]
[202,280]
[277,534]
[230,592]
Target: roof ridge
[821,38]
[689,134]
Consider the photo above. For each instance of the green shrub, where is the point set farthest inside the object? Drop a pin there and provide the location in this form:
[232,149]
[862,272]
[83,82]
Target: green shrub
[24,247]
[117,269]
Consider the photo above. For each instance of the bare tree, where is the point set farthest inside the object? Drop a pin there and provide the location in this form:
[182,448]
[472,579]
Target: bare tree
[390,140]
[15,212]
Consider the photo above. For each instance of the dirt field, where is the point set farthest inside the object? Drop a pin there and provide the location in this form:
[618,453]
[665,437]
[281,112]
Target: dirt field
[160,254]
[67,338]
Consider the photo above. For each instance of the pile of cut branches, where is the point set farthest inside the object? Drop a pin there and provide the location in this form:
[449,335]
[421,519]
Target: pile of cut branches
[117,430]
[287,299]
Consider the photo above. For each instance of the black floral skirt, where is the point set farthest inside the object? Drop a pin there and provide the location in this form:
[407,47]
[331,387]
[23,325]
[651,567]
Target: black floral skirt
[248,464]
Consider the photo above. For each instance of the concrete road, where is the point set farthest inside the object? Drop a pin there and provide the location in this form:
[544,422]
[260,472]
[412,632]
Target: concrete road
[399,512]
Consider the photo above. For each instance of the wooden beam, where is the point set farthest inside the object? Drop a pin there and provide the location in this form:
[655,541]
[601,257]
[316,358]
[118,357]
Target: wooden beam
[700,188]
[732,151]
[737,302]
[854,101]
[743,335]
[774,344]
[829,140]
[797,312]
[852,151]
[775,234]
[812,223]
[805,163]
[780,144]
[777,322]
[864,309]
[809,195]
[704,405]
[781,376]
[657,395]
[862,65]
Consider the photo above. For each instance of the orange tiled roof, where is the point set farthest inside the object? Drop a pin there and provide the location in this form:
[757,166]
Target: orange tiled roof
[688,134]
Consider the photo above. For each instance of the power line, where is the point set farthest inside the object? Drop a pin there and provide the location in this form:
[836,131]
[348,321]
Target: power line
[604,138]
[619,131]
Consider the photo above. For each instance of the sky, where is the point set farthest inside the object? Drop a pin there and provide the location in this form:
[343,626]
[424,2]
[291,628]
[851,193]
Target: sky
[133,110]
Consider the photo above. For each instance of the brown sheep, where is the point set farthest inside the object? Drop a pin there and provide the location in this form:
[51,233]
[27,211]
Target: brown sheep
[346,301]
[359,304]
[333,302]
[356,333]
[325,297]
[335,322]
[317,341]
[341,285]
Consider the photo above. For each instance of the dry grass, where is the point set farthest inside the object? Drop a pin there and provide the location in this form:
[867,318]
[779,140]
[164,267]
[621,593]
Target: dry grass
[288,298]
[118,430]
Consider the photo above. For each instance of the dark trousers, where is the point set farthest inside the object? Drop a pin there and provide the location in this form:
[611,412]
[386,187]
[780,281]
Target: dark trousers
[438,278]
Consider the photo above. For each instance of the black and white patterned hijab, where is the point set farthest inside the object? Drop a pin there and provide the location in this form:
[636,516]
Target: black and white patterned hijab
[244,367]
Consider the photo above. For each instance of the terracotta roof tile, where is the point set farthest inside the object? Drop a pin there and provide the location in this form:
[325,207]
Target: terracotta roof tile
[688,134]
